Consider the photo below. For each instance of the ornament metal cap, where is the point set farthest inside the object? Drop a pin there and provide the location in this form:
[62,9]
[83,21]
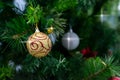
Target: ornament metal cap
[71,30]
[37,29]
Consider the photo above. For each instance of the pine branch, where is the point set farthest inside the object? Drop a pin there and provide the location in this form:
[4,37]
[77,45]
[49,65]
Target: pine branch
[96,73]
[97,68]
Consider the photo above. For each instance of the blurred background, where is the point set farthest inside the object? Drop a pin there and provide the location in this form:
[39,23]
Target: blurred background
[84,39]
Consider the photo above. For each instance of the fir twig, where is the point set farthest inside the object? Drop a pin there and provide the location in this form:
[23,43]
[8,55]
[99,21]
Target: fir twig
[96,73]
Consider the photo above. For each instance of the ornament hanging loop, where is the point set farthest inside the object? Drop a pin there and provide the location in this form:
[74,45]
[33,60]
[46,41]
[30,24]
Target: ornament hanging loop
[37,29]
[70,28]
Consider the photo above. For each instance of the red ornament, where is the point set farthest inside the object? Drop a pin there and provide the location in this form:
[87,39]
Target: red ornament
[114,78]
[87,52]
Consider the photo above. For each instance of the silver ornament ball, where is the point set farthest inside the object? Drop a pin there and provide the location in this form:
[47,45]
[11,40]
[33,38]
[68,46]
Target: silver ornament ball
[70,40]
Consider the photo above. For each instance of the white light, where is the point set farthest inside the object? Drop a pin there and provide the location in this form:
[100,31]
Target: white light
[11,63]
[18,68]
[51,28]
[119,6]
[101,17]
[68,38]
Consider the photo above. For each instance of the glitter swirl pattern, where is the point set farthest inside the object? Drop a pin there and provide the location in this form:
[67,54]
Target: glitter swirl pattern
[39,44]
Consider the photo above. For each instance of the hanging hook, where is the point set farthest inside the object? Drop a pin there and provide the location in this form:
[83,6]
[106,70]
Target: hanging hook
[37,29]
[70,28]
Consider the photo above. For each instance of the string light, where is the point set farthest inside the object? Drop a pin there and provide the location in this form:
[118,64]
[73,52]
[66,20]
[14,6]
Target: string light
[119,5]
[102,16]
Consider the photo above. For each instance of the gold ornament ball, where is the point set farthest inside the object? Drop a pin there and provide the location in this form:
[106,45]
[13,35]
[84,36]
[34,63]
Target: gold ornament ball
[39,44]
[50,30]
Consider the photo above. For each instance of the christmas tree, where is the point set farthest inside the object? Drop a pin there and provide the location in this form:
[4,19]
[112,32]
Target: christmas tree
[59,40]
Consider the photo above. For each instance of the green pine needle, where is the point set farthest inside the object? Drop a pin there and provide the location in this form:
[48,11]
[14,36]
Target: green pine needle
[15,34]
[34,14]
